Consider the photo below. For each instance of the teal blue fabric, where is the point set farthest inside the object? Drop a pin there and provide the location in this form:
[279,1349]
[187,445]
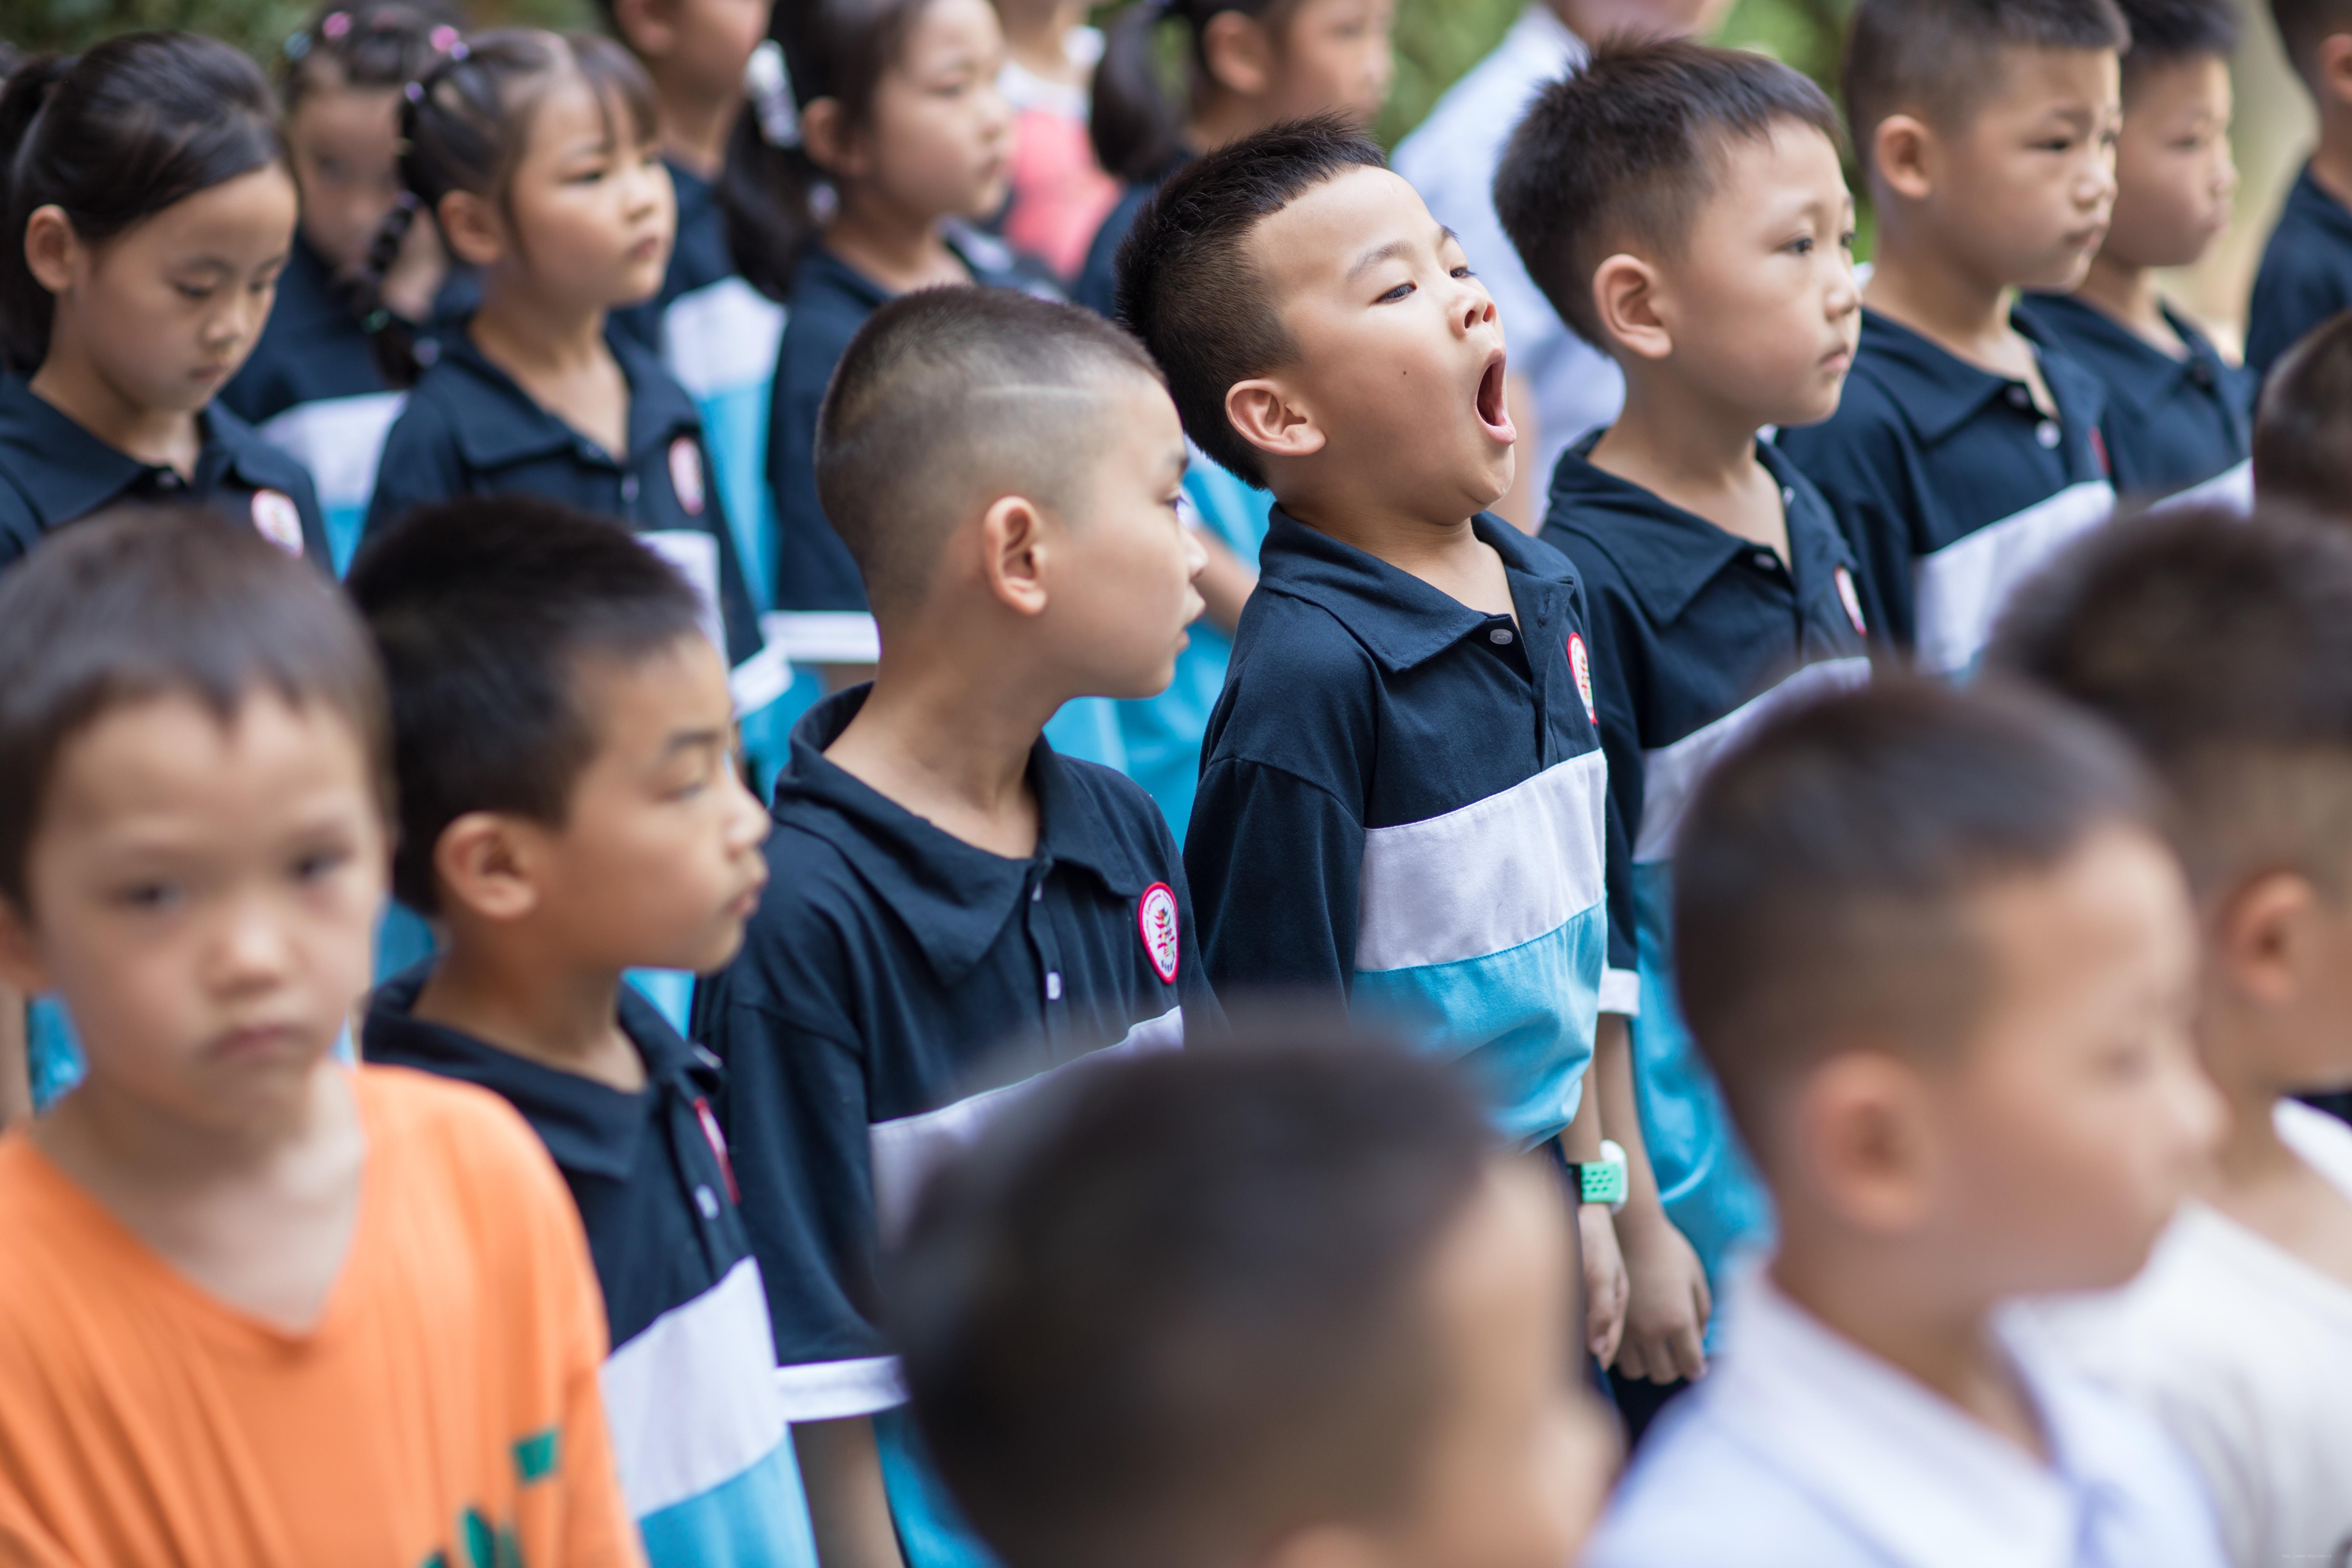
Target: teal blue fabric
[931,1531]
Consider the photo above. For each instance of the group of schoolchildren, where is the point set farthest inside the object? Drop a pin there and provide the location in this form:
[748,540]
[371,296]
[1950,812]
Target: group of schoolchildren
[1703,831]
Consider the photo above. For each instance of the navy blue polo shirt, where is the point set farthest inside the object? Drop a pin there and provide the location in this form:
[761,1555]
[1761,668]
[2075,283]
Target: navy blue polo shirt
[698,256]
[2306,276]
[313,349]
[469,430]
[1696,633]
[1951,486]
[2171,423]
[893,983]
[1402,811]
[52,472]
[697,1430]
[830,301]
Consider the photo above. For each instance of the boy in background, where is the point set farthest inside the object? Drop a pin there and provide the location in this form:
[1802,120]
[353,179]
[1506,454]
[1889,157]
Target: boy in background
[2238,1332]
[1964,451]
[2302,426]
[2179,413]
[2305,275]
[570,810]
[260,1307]
[1366,1294]
[1683,209]
[1945,968]
[1402,790]
[955,910]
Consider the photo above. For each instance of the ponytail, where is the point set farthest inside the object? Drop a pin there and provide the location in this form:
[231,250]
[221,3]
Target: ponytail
[1137,131]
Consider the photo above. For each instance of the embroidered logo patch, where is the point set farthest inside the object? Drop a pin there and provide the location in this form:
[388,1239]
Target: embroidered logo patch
[1851,600]
[717,1141]
[1156,918]
[278,520]
[686,474]
[1579,664]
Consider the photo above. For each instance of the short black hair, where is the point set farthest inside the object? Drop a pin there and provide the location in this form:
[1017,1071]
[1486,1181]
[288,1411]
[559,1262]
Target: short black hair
[946,399]
[484,609]
[1186,284]
[139,603]
[1940,58]
[2304,25]
[2221,647]
[2302,426]
[1178,1307]
[1823,871]
[1624,151]
[2168,32]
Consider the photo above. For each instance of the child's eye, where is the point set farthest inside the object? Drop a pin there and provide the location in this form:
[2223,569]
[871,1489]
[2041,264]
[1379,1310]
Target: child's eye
[1464,271]
[1802,245]
[320,864]
[1845,241]
[1399,292]
[196,293]
[148,898]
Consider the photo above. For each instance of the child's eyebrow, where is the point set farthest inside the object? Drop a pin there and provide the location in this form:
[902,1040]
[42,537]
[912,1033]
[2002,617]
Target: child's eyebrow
[692,740]
[1395,247]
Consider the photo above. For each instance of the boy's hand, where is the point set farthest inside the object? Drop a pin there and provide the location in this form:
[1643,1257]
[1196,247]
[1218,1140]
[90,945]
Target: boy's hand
[1604,1281]
[1667,1304]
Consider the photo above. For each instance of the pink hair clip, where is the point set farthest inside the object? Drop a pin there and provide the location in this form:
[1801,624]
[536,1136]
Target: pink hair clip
[444,38]
[413,93]
[337,24]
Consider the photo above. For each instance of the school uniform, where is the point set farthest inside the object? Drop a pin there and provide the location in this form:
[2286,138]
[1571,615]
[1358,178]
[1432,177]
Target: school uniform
[1801,1450]
[898,990]
[698,1432]
[2172,425]
[1696,636]
[1402,811]
[1951,485]
[2305,275]
[53,472]
[312,388]
[469,430]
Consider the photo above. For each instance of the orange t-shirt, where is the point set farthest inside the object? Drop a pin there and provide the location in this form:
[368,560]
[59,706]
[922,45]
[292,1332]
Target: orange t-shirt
[443,1412]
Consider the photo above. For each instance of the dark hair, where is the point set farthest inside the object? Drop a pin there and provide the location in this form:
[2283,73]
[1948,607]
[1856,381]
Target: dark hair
[465,126]
[1625,150]
[2167,32]
[372,45]
[138,123]
[1177,1306]
[2304,25]
[1135,128]
[2302,426]
[1940,58]
[1823,871]
[483,609]
[944,394]
[142,602]
[2223,647]
[1186,284]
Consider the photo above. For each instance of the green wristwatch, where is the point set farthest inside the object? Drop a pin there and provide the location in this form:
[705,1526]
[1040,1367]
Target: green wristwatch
[1602,1180]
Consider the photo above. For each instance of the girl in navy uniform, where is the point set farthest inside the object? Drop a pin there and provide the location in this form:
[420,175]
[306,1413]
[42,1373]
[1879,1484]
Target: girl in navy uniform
[313,385]
[535,155]
[151,211]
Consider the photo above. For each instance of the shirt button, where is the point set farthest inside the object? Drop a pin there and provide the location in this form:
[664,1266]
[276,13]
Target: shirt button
[629,487]
[1037,894]
[2018,398]
[167,480]
[1499,637]
[707,1202]
[1053,985]
[2046,433]
[1787,495]
[1766,560]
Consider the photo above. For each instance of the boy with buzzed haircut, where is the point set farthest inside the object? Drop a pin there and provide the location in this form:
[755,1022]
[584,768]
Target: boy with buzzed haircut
[1402,792]
[1944,965]
[1684,208]
[1364,1293]
[2178,415]
[2239,1334]
[570,810]
[1964,452]
[260,1307]
[956,911]
[2302,426]
[2305,275]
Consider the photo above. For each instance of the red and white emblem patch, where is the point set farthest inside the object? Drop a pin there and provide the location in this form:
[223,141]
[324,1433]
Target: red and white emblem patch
[1156,917]
[278,520]
[1851,600]
[686,475]
[1579,664]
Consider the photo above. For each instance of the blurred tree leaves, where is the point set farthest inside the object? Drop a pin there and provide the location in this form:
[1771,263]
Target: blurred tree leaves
[258,26]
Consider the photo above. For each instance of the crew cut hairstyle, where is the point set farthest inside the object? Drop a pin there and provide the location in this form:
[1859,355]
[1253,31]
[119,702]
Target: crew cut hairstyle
[484,610]
[2168,32]
[2304,25]
[2221,647]
[947,397]
[1186,284]
[1178,1304]
[140,603]
[1623,154]
[2302,426]
[1940,59]
[1824,875]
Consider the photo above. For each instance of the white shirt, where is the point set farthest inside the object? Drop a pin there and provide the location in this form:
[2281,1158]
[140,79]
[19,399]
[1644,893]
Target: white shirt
[1451,161]
[2245,1351]
[1802,1450]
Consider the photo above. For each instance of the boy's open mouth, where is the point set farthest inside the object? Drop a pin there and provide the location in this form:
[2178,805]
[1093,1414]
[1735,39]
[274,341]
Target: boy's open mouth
[1493,411]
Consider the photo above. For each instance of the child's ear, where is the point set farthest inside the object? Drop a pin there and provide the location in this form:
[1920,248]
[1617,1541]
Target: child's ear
[1269,420]
[1902,152]
[1625,296]
[1015,553]
[2263,939]
[481,864]
[51,248]
[649,27]
[20,957]
[1239,50]
[2336,68]
[472,226]
[1860,1138]
[825,137]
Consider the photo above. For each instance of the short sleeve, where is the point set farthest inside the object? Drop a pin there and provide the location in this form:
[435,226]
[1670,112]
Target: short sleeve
[1275,862]
[420,466]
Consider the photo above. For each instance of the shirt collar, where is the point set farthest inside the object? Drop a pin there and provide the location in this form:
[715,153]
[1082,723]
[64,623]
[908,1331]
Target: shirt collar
[2134,385]
[2313,201]
[67,472]
[1930,1486]
[587,1126]
[952,897]
[1938,391]
[1399,619]
[503,424]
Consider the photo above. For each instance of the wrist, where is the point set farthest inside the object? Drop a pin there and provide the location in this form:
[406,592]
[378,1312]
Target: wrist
[1600,1181]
